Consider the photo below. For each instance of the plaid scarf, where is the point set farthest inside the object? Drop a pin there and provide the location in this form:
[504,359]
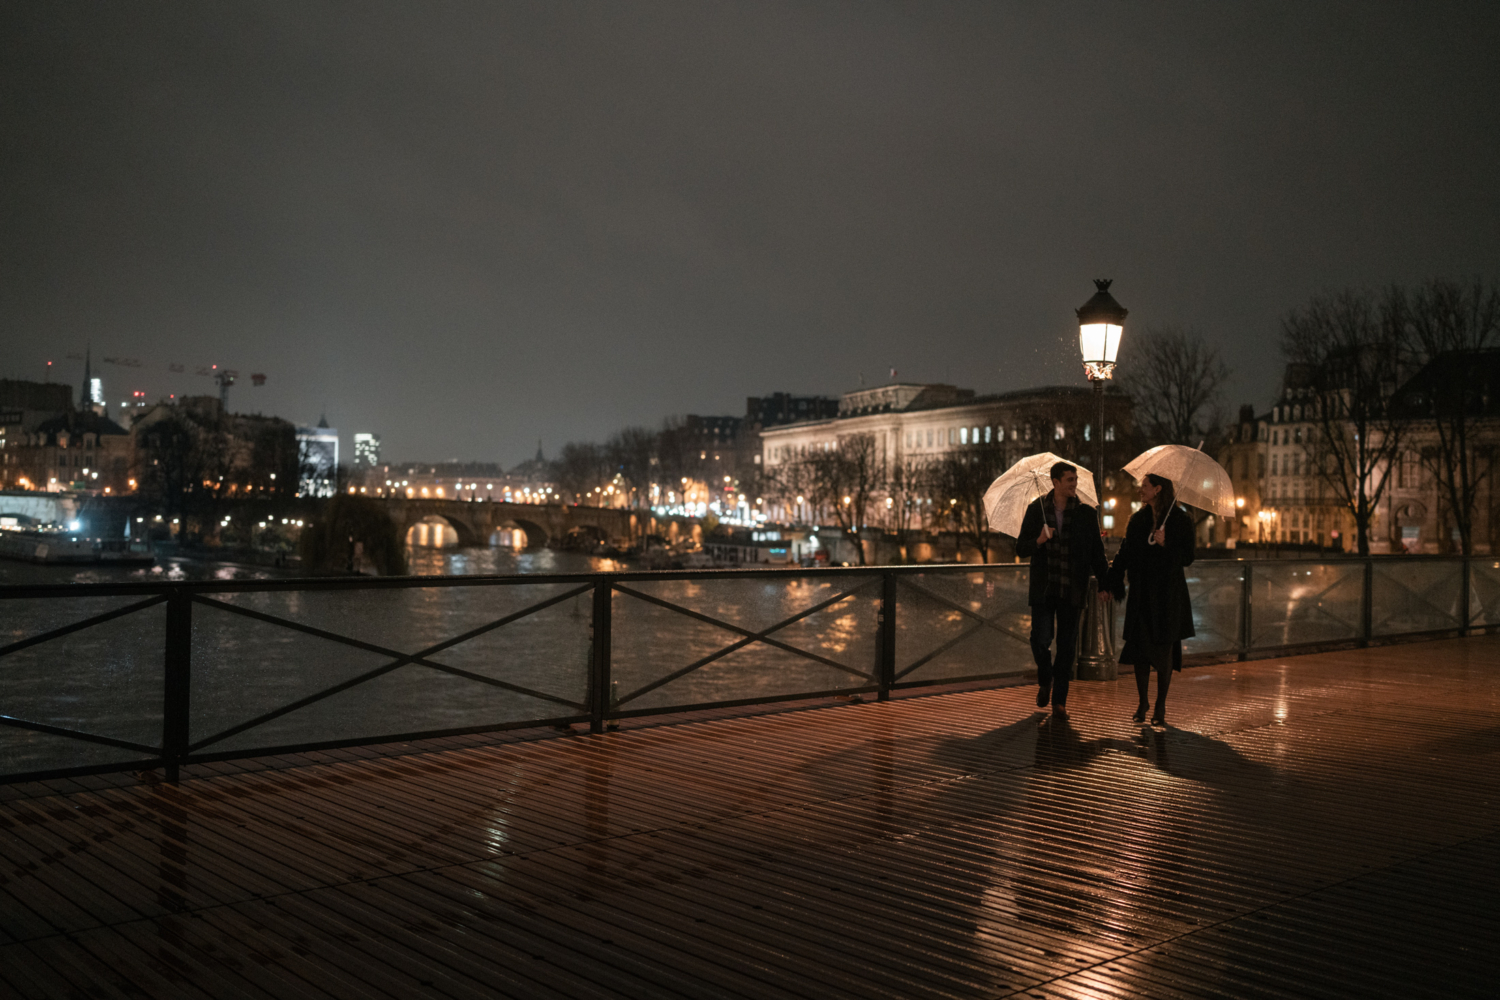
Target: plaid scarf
[1059,577]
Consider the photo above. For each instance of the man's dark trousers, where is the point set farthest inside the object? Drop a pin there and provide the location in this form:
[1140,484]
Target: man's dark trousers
[1059,620]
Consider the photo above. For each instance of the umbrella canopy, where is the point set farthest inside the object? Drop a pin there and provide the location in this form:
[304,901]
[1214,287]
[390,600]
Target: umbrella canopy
[1019,486]
[1199,480]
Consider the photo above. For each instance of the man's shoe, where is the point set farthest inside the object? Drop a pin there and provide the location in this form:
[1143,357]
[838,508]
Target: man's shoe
[1140,714]
[1042,697]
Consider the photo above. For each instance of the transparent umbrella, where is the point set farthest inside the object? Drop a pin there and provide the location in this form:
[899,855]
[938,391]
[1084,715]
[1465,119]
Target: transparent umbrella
[1020,486]
[1198,480]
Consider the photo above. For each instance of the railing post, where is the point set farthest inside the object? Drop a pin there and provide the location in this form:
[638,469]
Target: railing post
[177,686]
[885,639]
[599,686]
[1247,603]
[1367,604]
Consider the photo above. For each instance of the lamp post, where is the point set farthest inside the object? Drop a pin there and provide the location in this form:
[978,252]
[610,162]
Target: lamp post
[1101,321]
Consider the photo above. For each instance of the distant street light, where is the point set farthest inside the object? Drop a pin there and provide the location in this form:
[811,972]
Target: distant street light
[1101,322]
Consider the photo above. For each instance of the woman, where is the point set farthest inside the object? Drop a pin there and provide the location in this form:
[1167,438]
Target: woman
[1158,544]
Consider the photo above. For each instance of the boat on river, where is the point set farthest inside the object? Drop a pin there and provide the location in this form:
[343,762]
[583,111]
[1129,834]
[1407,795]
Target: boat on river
[61,547]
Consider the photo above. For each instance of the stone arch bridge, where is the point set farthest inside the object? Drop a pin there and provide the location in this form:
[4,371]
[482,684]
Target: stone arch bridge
[475,521]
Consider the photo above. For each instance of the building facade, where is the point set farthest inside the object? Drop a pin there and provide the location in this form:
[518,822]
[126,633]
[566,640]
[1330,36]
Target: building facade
[1283,500]
[78,450]
[917,425]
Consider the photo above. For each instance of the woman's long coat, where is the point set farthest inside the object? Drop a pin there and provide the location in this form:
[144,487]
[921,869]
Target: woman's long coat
[1159,611]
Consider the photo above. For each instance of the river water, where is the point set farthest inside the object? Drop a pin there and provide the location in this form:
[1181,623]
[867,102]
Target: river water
[421,561]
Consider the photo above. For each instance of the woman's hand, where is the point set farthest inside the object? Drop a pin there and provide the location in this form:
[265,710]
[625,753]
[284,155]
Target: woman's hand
[1159,536]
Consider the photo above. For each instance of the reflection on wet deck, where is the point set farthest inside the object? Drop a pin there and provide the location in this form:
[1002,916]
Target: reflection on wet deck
[1324,825]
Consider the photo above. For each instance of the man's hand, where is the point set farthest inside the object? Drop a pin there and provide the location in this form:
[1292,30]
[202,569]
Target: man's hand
[1045,536]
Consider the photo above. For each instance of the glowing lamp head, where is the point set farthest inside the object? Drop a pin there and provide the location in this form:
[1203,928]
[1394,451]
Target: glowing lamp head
[1101,321]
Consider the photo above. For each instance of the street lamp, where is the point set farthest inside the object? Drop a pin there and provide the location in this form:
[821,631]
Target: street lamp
[1101,321]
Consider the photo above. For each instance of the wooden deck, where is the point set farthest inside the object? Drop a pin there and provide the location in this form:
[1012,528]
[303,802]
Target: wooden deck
[1318,826]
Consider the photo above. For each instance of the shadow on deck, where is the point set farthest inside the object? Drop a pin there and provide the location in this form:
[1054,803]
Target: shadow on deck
[1322,825]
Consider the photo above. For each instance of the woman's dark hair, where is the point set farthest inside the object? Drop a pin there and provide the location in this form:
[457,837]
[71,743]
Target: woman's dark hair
[1162,505]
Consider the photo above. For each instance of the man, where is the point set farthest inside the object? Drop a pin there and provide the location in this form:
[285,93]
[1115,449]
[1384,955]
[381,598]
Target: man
[1061,536]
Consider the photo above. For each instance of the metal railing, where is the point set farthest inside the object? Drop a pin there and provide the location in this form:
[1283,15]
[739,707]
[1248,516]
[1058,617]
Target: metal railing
[135,676]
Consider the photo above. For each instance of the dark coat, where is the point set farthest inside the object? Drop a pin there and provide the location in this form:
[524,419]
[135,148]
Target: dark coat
[1085,558]
[1159,612]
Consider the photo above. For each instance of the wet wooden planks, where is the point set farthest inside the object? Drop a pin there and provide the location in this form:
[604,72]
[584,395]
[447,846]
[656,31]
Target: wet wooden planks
[1323,825]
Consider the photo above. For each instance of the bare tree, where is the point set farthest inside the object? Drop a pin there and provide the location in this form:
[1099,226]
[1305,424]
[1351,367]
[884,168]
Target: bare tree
[844,481]
[676,454]
[581,467]
[908,488]
[1347,347]
[959,479]
[1447,326]
[787,485]
[1176,381]
[632,453]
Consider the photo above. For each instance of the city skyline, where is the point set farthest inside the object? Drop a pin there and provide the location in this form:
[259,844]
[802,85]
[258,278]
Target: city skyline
[471,230]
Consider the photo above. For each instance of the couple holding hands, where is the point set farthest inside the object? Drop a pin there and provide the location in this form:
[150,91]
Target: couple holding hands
[1061,536]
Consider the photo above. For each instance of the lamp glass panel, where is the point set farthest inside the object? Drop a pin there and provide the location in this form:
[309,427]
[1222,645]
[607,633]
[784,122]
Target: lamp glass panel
[1099,341]
[1112,341]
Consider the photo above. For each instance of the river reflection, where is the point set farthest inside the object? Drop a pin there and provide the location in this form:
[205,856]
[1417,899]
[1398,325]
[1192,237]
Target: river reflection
[494,560]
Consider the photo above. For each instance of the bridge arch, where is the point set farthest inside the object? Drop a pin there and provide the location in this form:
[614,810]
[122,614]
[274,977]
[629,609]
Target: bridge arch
[535,535]
[439,530]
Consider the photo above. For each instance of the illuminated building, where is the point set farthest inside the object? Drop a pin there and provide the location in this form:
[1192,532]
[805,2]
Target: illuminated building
[366,451]
[317,460]
[917,424]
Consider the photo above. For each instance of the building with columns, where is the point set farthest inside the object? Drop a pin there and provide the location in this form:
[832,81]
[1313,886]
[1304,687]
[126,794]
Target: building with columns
[922,423]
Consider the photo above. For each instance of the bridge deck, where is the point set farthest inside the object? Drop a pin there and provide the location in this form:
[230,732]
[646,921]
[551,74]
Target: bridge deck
[1324,825]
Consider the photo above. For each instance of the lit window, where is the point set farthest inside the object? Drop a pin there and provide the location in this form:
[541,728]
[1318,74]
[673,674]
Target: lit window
[1058,433]
[1109,522]
[987,435]
[963,435]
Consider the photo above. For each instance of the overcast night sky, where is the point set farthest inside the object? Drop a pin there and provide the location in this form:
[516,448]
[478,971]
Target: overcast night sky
[470,226]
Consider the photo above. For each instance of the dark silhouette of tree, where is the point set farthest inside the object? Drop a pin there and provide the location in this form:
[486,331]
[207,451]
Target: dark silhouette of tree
[1453,331]
[959,480]
[171,462]
[1176,381]
[632,454]
[676,455]
[908,496]
[274,461]
[580,467]
[1347,349]
[843,482]
[352,533]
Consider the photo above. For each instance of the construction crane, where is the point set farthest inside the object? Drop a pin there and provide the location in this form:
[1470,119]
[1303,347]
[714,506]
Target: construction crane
[225,378]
